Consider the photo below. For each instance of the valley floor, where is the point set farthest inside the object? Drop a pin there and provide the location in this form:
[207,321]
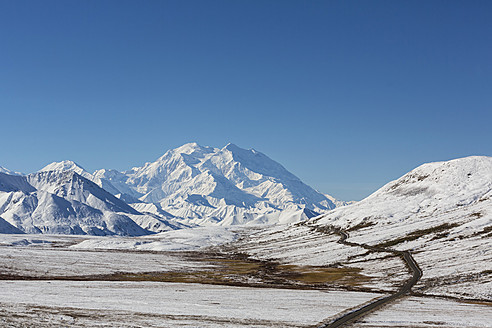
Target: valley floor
[161,304]
[420,312]
[80,281]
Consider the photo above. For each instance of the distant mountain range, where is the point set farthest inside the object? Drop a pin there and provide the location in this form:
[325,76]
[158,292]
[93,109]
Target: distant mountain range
[187,186]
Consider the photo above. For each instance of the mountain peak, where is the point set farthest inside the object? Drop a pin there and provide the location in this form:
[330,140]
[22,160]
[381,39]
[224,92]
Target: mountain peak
[191,148]
[188,148]
[224,176]
[232,146]
[66,165]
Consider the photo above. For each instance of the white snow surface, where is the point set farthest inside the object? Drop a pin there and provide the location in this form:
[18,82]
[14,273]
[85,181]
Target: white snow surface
[428,312]
[55,256]
[203,305]
[174,240]
[158,304]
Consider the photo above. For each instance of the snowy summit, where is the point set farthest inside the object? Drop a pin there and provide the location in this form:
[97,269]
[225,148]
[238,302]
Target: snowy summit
[206,185]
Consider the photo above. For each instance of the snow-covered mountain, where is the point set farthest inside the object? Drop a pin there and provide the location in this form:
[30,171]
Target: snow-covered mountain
[205,185]
[65,202]
[74,187]
[339,203]
[67,166]
[187,186]
[72,166]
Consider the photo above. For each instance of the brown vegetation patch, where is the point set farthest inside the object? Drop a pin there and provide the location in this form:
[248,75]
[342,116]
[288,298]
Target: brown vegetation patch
[487,229]
[457,279]
[488,303]
[411,177]
[246,272]
[325,275]
[418,233]
[365,223]
[486,232]
[236,271]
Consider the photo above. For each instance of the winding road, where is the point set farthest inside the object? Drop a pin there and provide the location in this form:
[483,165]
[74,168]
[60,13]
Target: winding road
[409,261]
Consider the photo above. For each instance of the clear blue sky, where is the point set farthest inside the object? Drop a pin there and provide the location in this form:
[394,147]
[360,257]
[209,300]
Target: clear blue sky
[347,95]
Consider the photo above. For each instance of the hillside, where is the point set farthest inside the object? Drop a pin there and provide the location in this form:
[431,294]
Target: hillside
[441,212]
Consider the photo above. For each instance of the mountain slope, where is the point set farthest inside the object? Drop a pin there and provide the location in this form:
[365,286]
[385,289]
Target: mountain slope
[10,183]
[430,190]
[441,212]
[6,227]
[116,183]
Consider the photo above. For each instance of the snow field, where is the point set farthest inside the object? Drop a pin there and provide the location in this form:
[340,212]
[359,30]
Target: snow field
[277,307]
[423,312]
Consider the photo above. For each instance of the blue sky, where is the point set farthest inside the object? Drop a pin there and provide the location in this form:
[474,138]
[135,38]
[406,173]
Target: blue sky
[347,95]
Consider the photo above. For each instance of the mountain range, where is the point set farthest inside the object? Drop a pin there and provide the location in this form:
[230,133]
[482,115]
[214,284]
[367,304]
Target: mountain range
[187,186]
[200,186]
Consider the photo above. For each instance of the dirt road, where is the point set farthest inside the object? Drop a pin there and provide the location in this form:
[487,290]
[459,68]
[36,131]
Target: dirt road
[411,264]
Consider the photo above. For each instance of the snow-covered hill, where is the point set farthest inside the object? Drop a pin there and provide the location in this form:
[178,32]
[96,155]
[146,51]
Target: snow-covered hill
[431,190]
[441,212]
[67,166]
